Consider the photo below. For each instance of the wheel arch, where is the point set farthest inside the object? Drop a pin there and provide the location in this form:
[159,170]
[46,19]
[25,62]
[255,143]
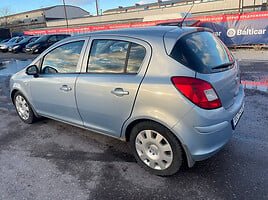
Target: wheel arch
[12,94]
[14,91]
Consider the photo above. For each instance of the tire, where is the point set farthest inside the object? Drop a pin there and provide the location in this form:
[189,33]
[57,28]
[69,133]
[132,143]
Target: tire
[23,108]
[156,149]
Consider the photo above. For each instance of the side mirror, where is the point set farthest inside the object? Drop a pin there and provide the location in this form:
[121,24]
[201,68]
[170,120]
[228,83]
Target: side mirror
[32,70]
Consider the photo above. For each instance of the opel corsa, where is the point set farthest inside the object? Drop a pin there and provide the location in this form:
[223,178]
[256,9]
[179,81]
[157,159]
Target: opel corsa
[172,92]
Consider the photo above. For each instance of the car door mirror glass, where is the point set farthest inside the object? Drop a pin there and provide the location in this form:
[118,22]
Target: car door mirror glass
[49,70]
[32,70]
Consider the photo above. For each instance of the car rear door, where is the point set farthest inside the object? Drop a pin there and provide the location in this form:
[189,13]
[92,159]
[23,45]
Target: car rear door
[113,70]
[53,92]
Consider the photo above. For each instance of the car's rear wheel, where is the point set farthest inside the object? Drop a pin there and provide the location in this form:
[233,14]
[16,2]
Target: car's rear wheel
[23,108]
[156,149]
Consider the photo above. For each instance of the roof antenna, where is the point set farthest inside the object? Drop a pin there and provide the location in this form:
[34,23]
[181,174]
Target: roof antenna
[180,24]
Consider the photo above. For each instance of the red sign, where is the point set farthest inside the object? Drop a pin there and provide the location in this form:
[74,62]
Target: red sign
[216,18]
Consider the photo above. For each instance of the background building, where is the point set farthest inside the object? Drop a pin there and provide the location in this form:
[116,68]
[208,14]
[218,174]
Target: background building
[37,19]
[175,9]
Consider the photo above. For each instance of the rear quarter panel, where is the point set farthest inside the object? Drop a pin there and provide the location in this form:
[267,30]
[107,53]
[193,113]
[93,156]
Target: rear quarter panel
[157,98]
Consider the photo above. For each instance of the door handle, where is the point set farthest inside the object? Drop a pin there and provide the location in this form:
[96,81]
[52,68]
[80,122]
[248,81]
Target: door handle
[65,88]
[119,92]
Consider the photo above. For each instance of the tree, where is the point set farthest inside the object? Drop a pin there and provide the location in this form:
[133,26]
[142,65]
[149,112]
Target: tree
[4,13]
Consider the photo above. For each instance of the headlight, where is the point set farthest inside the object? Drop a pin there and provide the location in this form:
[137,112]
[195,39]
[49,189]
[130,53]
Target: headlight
[35,46]
[17,46]
[4,46]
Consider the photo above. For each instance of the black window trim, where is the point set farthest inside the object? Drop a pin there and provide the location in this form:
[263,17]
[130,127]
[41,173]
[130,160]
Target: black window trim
[126,62]
[127,57]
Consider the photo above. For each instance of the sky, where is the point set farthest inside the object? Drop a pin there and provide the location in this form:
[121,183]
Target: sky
[17,6]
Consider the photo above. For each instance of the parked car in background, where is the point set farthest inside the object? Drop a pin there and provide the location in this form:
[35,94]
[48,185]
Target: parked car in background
[187,22]
[44,42]
[175,99]
[18,47]
[3,41]
[5,46]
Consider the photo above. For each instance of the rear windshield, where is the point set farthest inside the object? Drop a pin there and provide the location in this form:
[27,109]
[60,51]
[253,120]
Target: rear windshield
[202,52]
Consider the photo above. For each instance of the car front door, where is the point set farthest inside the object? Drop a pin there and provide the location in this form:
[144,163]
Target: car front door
[53,92]
[106,91]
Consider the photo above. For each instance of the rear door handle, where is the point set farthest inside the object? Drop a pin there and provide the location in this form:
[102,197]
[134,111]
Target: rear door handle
[119,92]
[65,88]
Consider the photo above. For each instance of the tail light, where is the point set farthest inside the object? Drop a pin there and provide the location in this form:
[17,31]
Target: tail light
[198,91]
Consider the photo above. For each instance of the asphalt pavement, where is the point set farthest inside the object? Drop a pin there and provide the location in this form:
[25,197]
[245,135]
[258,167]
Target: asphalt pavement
[53,160]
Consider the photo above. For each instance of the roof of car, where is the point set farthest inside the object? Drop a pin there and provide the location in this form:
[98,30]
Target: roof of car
[143,32]
[52,34]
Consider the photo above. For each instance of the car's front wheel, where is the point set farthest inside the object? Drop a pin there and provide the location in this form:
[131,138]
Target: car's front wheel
[23,108]
[155,148]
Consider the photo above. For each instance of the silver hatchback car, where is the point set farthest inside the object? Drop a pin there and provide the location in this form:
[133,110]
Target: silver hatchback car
[172,92]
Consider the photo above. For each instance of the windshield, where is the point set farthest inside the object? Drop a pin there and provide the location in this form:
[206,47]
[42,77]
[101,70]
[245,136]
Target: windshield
[42,38]
[3,41]
[25,40]
[18,39]
[202,52]
[12,39]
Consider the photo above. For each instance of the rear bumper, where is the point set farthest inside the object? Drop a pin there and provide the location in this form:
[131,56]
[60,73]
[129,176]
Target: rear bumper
[204,132]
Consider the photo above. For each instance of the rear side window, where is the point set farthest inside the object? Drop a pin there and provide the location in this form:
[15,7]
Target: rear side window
[115,56]
[108,56]
[136,56]
[60,37]
[202,52]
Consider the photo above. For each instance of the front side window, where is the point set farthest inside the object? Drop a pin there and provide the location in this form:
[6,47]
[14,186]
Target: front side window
[53,38]
[115,56]
[32,40]
[63,59]
[43,38]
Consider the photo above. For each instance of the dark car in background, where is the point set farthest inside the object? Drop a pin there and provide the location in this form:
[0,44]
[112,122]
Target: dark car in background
[15,48]
[12,42]
[44,42]
[189,23]
[3,41]
[4,46]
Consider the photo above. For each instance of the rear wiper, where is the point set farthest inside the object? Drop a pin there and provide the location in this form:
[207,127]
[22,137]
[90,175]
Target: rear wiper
[224,65]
